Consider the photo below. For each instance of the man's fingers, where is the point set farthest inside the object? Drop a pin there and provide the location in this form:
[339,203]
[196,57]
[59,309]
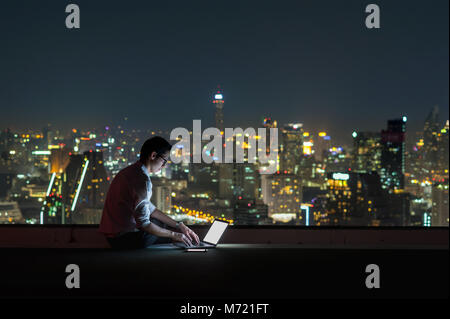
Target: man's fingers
[193,236]
[187,241]
[197,240]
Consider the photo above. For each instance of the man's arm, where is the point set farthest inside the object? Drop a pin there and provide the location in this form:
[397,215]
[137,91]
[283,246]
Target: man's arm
[154,229]
[159,215]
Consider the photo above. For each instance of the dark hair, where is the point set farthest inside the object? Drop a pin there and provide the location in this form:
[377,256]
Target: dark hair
[155,144]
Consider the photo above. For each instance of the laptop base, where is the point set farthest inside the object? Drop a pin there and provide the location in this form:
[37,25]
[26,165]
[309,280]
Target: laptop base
[201,245]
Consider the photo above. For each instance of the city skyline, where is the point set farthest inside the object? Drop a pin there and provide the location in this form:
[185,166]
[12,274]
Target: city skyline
[316,181]
[343,139]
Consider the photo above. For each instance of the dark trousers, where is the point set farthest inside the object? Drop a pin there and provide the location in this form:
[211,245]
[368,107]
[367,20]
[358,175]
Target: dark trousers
[139,239]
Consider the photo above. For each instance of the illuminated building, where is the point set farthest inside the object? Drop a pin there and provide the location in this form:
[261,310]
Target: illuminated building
[420,209]
[250,212]
[239,180]
[415,170]
[308,147]
[282,193]
[296,155]
[59,159]
[245,181]
[291,148]
[218,102]
[366,152]
[313,207]
[337,160]
[6,179]
[204,177]
[53,208]
[440,208]
[10,213]
[393,155]
[358,199]
[268,124]
[162,194]
[35,191]
[430,131]
[85,184]
[443,148]
[322,145]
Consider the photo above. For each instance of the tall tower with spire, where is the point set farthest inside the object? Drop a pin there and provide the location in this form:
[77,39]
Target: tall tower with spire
[218,101]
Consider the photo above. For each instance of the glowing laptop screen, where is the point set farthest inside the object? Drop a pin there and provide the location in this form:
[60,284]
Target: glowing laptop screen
[215,232]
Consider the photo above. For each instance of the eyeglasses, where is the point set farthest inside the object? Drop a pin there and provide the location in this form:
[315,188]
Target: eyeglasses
[165,161]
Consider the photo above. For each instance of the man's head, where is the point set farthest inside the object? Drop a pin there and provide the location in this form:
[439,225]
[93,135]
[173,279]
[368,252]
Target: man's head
[155,153]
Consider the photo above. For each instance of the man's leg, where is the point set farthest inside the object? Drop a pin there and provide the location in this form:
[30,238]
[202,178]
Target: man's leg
[131,240]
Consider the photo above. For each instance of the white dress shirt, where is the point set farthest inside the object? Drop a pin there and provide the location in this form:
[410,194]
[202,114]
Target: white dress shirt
[127,205]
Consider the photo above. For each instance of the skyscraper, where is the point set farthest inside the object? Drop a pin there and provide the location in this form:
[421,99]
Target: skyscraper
[85,187]
[430,130]
[358,199]
[393,155]
[283,194]
[162,194]
[218,101]
[322,146]
[291,148]
[440,208]
[366,152]
[443,149]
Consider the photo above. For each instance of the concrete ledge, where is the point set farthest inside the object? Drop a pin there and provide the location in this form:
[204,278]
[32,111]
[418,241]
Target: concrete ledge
[76,236]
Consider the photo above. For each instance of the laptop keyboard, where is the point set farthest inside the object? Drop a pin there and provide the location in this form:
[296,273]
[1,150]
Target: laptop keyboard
[201,244]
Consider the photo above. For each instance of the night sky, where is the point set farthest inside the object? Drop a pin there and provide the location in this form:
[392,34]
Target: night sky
[158,62]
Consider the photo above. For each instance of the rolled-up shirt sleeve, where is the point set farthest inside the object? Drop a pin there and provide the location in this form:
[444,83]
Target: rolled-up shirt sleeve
[142,213]
[151,207]
[143,207]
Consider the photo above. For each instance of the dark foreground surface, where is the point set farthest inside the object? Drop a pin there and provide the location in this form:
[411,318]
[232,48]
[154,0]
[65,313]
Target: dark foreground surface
[230,271]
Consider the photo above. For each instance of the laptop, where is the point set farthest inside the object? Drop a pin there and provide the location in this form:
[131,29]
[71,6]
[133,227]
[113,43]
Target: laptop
[212,236]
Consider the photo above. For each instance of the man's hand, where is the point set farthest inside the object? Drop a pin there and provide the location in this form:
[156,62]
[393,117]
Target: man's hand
[189,233]
[181,238]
